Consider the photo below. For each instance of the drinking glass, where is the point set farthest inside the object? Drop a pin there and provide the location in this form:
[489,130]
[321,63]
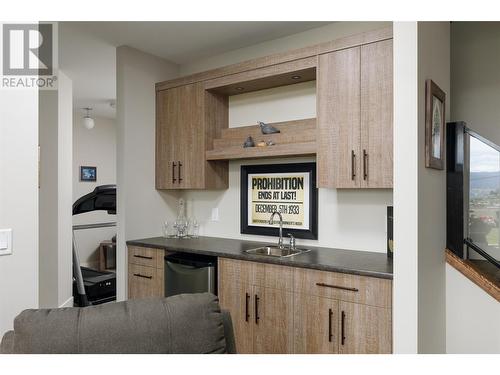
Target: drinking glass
[195,229]
[181,225]
[169,229]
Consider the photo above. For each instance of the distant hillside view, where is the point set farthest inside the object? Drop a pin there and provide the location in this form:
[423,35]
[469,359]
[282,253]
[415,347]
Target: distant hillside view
[483,183]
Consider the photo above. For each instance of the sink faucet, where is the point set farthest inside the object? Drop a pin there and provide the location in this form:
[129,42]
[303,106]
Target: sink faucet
[280,240]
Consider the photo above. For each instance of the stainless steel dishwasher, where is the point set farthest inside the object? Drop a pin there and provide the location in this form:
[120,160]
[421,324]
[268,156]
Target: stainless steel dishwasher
[190,273]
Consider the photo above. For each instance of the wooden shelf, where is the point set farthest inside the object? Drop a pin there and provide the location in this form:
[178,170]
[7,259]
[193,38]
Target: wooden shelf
[296,138]
[488,281]
[238,152]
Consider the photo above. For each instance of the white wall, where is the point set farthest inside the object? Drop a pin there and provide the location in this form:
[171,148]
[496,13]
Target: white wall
[55,194]
[343,214]
[405,298]
[433,63]
[65,150]
[141,209]
[95,147]
[19,202]
[475,78]
[475,72]
[421,50]
[322,34]
[472,317]
[48,200]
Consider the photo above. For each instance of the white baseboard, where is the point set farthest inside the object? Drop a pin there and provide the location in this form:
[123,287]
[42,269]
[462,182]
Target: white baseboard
[68,303]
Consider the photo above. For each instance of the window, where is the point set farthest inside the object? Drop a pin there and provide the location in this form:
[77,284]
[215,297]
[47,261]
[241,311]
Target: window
[473,195]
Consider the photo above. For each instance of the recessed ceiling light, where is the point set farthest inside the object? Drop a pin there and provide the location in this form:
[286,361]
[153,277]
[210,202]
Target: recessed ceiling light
[239,88]
[296,77]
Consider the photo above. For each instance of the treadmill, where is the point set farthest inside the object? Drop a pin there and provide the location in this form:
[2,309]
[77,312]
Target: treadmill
[93,287]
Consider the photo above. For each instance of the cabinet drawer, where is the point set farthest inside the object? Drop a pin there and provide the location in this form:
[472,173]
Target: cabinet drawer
[144,256]
[232,270]
[253,273]
[351,288]
[273,276]
[144,281]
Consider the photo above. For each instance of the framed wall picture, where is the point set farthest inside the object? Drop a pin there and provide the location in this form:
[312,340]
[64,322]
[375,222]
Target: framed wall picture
[435,103]
[289,189]
[88,174]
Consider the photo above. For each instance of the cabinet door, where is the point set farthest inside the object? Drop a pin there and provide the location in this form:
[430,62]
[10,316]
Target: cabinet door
[167,120]
[364,329]
[190,137]
[376,115]
[238,300]
[315,325]
[338,134]
[144,281]
[273,316]
[180,148]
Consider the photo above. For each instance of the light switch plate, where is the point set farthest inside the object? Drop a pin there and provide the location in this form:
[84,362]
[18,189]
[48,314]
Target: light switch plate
[215,214]
[5,241]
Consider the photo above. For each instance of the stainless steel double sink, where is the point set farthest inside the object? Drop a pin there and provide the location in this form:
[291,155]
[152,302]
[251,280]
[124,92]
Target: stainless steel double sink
[275,251]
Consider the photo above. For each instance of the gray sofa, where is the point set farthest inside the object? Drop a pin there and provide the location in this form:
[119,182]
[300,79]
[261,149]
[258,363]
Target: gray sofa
[187,323]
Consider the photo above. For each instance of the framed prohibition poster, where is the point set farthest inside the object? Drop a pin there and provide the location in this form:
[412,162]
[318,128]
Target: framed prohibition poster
[289,189]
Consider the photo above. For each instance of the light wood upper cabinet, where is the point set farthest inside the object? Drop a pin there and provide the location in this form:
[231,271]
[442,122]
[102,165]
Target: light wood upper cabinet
[377,115]
[365,329]
[338,110]
[354,99]
[188,118]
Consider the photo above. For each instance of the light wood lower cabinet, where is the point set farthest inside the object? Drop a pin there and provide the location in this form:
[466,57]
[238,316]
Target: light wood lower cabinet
[293,317]
[365,329]
[238,299]
[316,324]
[260,299]
[145,272]
[273,331]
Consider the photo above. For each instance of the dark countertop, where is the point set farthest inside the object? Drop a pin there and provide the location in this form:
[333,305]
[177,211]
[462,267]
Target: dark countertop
[362,263]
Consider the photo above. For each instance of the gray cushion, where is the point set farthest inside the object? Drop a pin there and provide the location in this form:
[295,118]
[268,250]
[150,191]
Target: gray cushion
[229,332]
[188,323]
[7,345]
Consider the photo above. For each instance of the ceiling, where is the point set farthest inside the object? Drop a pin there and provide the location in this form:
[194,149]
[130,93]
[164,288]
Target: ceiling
[87,50]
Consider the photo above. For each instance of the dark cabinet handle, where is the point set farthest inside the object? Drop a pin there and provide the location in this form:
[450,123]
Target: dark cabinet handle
[142,256]
[180,178]
[353,165]
[247,300]
[365,165]
[257,309]
[342,328]
[337,287]
[173,172]
[143,276]
[330,335]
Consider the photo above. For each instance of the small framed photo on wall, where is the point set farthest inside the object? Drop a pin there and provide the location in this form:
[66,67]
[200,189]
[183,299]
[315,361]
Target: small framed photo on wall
[88,174]
[435,103]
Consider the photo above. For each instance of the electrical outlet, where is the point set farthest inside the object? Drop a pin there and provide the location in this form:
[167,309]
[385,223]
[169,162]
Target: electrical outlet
[215,214]
[5,241]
